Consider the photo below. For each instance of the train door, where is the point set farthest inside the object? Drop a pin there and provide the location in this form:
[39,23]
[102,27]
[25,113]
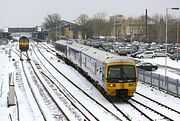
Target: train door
[104,76]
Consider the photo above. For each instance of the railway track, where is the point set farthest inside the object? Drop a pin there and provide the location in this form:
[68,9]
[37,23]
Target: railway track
[165,106]
[149,108]
[87,95]
[22,91]
[52,103]
[57,113]
[142,108]
[164,110]
[131,111]
[63,96]
[136,104]
[126,115]
[152,110]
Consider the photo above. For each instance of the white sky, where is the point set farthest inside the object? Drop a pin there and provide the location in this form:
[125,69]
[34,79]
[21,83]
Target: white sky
[34,11]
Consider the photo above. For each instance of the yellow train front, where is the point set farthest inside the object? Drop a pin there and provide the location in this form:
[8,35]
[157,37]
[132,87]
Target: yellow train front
[23,43]
[121,79]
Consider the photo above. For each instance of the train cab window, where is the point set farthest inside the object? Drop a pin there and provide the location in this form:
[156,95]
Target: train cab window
[121,73]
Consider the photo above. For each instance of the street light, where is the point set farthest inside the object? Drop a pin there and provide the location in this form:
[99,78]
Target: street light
[167,38]
[177,39]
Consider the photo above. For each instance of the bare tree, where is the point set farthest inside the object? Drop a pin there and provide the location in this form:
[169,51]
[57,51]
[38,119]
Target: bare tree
[158,28]
[100,24]
[83,20]
[51,23]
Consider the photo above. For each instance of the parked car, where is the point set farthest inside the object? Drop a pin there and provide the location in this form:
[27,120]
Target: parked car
[160,53]
[136,53]
[146,54]
[97,43]
[175,56]
[107,46]
[147,66]
[122,51]
[89,42]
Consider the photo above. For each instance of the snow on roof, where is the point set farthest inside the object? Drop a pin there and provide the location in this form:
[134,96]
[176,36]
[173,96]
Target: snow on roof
[104,56]
[100,55]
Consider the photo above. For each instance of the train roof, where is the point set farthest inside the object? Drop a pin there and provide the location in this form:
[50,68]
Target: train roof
[100,55]
[72,45]
[105,57]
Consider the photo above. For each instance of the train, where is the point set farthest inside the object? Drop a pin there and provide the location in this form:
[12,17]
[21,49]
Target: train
[115,76]
[23,43]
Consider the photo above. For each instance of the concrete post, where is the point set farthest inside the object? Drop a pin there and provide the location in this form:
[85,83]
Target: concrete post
[11,93]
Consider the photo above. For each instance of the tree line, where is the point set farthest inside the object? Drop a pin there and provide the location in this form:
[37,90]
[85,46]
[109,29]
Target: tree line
[99,25]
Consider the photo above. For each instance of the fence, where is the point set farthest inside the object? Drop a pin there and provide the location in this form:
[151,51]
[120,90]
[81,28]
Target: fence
[170,85]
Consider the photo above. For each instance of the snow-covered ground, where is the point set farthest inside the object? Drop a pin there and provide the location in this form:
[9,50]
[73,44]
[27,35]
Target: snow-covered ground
[7,65]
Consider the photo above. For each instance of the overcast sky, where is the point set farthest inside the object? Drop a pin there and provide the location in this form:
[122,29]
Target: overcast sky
[30,13]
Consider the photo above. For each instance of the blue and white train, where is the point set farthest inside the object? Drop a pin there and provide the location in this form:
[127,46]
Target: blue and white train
[114,75]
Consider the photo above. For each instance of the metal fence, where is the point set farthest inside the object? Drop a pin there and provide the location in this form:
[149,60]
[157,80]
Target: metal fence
[170,85]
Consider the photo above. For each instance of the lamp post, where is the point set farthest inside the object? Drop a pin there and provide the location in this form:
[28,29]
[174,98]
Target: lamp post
[114,30]
[177,39]
[167,38]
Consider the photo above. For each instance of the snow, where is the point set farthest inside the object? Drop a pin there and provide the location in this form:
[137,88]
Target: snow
[29,110]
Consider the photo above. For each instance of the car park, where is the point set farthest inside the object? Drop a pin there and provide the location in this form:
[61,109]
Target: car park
[147,66]
[146,54]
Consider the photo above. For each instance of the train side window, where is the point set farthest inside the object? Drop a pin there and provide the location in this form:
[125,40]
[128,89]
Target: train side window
[100,70]
[75,55]
[95,68]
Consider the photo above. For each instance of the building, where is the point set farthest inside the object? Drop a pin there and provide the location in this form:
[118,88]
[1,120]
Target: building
[21,29]
[65,29]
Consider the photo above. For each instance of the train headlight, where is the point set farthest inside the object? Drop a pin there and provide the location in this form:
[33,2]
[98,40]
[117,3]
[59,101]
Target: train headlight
[112,85]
